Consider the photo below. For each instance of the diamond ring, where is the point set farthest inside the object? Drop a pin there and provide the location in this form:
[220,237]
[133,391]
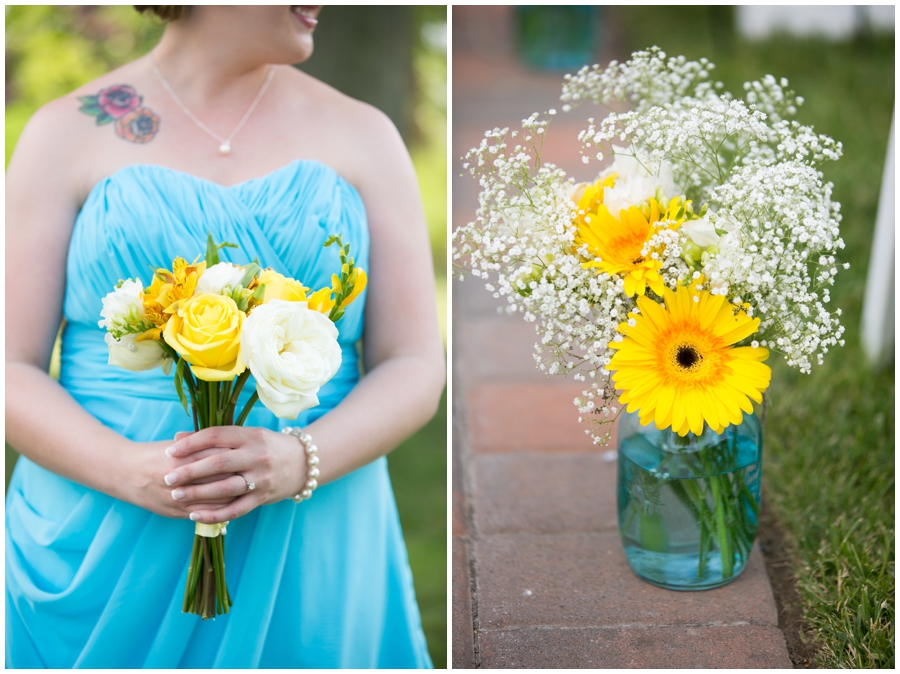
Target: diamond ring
[250,485]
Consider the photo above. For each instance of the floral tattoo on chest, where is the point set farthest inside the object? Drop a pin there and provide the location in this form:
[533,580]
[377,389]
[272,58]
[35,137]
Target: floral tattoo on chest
[121,105]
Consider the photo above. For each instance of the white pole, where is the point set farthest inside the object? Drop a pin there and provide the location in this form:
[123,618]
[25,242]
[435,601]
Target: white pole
[878,304]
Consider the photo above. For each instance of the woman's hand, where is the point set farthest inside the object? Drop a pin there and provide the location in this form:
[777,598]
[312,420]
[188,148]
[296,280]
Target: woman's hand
[233,457]
[145,486]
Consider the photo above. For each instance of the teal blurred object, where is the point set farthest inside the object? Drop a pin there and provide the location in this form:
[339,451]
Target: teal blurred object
[554,37]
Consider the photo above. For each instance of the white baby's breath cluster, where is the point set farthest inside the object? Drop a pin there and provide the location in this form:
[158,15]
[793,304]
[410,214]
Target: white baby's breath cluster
[766,237]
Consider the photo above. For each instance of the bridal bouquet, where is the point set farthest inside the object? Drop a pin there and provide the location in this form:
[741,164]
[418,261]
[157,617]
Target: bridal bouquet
[218,323]
[707,241]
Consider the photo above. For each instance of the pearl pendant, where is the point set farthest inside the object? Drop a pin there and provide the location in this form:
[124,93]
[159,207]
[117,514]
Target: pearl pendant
[225,148]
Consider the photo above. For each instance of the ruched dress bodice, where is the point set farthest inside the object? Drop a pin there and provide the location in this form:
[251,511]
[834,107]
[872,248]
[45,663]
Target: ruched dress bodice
[97,582]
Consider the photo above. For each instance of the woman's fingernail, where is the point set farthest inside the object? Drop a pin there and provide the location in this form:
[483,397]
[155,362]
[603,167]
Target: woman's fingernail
[195,516]
[178,494]
[171,478]
[181,434]
[170,451]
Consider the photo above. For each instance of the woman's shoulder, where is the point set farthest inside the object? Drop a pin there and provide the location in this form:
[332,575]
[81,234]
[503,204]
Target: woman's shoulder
[94,99]
[67,127]
[72,130]
[360,131]
[343,109]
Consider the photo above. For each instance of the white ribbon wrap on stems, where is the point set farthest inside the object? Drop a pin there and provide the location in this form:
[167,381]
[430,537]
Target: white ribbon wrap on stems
[210,530]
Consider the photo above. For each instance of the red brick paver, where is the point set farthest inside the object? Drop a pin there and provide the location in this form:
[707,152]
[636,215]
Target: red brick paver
[540,579]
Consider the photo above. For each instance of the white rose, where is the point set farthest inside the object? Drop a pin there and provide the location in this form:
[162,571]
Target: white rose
[137,356]
[703,233]
[219,277]
[291,351]
[123,308]
[731,240]
[636,181]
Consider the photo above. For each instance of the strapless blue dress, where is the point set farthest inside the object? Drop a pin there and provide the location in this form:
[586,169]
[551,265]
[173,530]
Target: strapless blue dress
[95,582]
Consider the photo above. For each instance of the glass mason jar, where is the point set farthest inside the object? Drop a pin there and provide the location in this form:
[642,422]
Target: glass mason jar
[689,506]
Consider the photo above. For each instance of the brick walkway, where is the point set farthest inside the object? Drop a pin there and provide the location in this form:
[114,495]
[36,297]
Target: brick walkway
[539,575]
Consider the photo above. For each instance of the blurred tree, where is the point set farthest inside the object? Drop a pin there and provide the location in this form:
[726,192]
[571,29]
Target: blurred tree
[367,53]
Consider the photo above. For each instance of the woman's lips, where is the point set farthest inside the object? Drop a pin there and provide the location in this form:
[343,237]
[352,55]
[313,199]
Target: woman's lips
[306,14]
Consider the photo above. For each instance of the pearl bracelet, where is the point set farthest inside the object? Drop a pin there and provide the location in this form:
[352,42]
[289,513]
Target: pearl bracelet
[312,461]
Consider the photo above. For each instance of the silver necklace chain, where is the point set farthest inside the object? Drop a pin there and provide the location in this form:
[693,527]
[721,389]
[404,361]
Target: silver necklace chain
[225,143]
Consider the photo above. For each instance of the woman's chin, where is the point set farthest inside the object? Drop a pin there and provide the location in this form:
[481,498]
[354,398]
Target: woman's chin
[304,50]
[298,51]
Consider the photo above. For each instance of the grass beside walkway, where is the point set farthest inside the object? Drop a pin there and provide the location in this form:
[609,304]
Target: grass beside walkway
[829,436]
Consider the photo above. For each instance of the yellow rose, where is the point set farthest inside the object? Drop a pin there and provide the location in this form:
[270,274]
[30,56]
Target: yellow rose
[206,332]
[280,287]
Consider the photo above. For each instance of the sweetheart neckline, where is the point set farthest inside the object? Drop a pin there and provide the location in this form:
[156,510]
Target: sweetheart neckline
[169,169]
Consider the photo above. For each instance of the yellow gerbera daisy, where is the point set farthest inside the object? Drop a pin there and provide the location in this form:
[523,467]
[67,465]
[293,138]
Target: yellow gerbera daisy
[677,366]
[619,242]
[588,197]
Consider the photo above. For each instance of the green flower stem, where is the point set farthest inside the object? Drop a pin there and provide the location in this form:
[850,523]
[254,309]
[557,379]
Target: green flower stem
[213,388]
[653,533]
[202,588]
[246,411]
[209,591]
[192,392]
[748,496]
[226,598]
[722,531]
[218,574]
[236,392]
[192,572]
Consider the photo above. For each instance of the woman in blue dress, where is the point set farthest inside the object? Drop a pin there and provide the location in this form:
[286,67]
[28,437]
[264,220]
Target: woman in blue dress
[213,132]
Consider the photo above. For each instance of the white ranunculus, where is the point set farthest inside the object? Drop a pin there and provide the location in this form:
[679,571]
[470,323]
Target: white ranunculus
[137,356]
[219,277]
[123,308]
[291,352]
[636,181]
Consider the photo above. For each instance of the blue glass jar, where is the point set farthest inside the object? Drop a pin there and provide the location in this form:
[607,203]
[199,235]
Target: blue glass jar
[688,506]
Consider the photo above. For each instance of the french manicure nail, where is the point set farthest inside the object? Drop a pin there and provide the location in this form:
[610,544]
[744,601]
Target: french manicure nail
[177,494]
[195,516]
[170,451]
[171,478]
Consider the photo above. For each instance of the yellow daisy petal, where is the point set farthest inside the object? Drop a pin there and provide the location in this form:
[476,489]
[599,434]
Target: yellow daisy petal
[676,365]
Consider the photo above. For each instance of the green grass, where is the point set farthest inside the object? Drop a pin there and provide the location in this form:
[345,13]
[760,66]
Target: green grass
[418,470]
[829,436]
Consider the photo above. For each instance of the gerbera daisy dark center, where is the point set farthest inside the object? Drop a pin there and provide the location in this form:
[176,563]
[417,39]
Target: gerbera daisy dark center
[688,357]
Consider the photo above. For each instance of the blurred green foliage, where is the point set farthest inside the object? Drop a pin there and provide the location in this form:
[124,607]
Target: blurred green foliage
[829,436]
[51,50]
[429,155]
